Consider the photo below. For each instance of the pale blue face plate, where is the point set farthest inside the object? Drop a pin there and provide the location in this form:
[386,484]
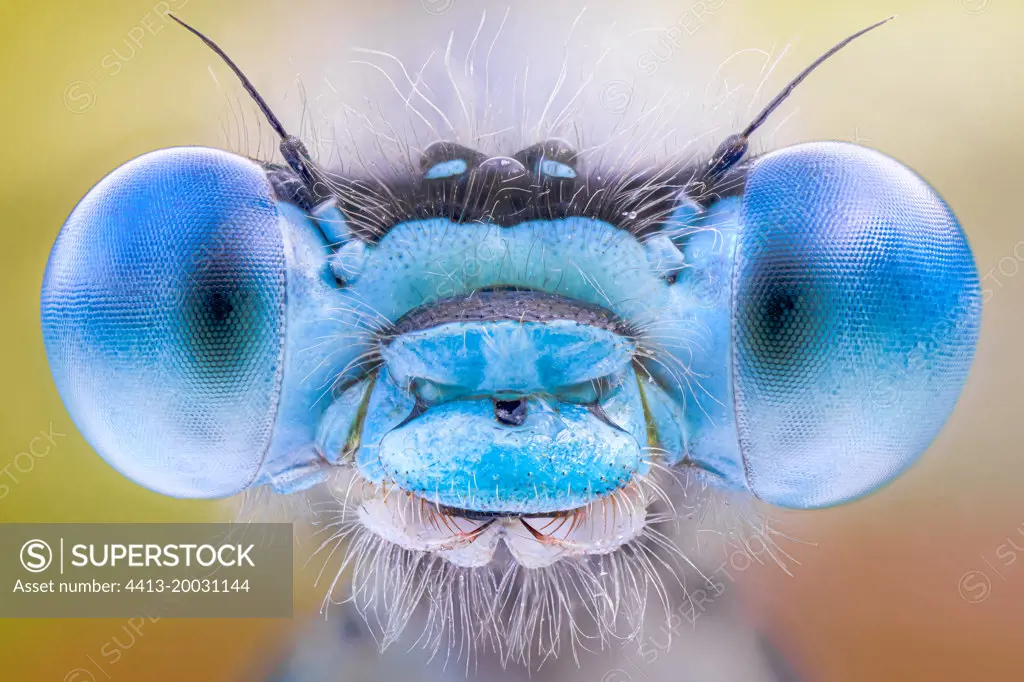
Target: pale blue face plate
[804,341]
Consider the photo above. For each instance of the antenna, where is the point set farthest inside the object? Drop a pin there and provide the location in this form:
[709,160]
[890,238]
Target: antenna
[292,149]
[735,146]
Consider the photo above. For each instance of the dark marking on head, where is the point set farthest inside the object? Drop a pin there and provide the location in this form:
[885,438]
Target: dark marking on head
[508,305]
[510,412]
[543,182]
[553,151]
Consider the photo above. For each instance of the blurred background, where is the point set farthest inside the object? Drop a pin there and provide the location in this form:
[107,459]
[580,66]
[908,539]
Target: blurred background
[919,581]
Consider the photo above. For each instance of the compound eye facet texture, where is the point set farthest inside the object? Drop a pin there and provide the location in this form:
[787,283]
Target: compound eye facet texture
[163,319]
[856,309]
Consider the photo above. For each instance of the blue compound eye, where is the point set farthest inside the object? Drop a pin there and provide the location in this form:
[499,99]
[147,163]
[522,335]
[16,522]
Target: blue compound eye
[855,311]
[163,318]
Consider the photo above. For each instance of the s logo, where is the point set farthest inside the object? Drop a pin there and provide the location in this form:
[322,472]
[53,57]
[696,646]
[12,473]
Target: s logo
[36,556]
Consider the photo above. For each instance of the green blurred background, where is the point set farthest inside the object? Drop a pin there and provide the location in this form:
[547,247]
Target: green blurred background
[877,593]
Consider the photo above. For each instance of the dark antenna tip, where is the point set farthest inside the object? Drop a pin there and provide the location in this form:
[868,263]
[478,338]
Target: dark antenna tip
[292,149]
[246,83]
[735,146]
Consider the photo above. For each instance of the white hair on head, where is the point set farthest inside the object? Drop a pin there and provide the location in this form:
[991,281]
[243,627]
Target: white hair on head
[497,80]
[526,615]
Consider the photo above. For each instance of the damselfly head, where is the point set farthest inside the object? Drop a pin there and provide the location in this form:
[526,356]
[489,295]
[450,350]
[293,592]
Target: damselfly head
[509,367]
